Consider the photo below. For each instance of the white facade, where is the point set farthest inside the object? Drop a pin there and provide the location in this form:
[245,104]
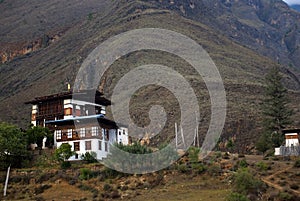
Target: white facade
[291,139]
[99,144]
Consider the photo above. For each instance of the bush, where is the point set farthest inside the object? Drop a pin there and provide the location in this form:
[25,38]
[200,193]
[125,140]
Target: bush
[263,166]
[107,187]
[193,153]
[198,168]
[245,183]
[294,186]
[214,170]
[182,168]
[236,197]
[297,163]
[89,157]
[65,164]
[285,196]
[242,163]
[85,174]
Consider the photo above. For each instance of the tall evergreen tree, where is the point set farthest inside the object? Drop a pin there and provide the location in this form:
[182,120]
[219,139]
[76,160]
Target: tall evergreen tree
[277,114]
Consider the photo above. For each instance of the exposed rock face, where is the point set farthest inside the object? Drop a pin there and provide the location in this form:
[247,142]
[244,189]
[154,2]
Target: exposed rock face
[9,51]
[270,27]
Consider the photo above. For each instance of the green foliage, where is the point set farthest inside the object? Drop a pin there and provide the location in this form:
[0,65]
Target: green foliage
[198,168]
[63,153]
[214,170]
[13,146]
[245,183]
[36,135]
[85,174]
[297,163]
[285,196]
[135,148]
[276,113]
[236,197]
[90,157]
[264,143]
[193,154]
[182,168]
[230,144]
[242,163]
[262,166]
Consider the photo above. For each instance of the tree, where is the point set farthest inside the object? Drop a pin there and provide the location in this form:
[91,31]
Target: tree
[277,115]
[13,146]
[36,135]
[63,153]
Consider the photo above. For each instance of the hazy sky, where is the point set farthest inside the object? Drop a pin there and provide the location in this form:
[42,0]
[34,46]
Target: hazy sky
[292,1]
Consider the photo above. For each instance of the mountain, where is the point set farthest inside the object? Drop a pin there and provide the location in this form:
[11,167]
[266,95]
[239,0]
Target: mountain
[296,7]
[244,38]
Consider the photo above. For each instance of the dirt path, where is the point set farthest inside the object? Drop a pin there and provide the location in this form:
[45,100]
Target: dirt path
[268,181]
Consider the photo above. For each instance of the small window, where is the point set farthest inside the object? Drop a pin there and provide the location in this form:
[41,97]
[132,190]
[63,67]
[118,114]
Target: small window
[106,135]
[76,146]
[100,145]
[123,132]
[82,132]
[95,131]
[69,133]
[58,134]
[106,146]
[119,132]
[88,145]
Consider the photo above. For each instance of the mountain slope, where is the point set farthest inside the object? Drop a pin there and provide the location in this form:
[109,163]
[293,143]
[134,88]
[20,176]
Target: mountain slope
[296,7]
[269,27]
[46,70]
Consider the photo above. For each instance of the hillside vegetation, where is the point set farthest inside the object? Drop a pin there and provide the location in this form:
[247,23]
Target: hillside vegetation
[47,69]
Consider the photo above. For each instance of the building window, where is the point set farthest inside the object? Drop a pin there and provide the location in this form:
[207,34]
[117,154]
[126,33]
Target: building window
[106,134]
[95,131]
[106,146]
[119,132]
[76,146]
[88,145]
[100,145]
[82,132]
[58,134]
[69,133]
[123,132]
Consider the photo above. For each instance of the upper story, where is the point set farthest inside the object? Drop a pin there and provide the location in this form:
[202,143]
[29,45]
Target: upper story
[67,105]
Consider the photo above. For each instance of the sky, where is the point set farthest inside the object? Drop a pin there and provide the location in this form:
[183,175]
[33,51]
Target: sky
[292,1]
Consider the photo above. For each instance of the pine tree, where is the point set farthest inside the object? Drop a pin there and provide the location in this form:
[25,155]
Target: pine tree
[277,114]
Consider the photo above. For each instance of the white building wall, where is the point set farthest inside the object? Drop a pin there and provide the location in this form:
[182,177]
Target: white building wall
[291,142]
[123,136]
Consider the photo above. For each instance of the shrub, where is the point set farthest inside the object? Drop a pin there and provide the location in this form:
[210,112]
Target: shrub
[245,183]
[182,168]
[263,166]
[214,170]
[193,153]
[198,168]
[285,196]
[85,174]
[297,163]
[107,187]
[243,163]
[89,157]
[294,186]
[236,197]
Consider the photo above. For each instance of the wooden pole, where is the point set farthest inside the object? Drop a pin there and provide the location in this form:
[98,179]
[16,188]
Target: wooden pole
[6,181]
[182,136]
[176,136]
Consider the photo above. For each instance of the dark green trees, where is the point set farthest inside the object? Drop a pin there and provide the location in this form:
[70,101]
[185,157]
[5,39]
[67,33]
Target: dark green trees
[62,154]
[36,135]
[276,114]
[13,146]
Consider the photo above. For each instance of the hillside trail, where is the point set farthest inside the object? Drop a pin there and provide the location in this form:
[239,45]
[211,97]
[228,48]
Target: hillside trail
[268,180]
